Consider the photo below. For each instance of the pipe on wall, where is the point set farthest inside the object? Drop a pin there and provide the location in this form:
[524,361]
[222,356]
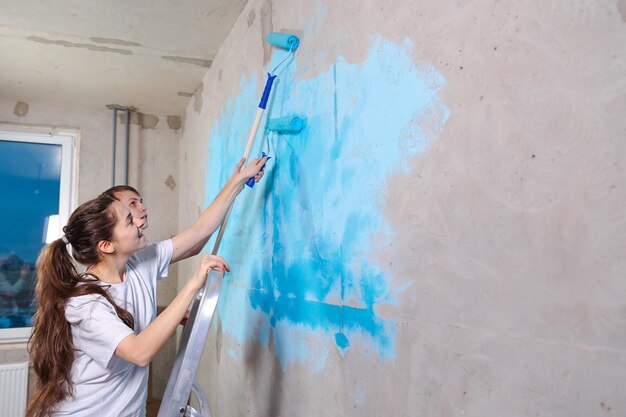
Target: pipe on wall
[127,111]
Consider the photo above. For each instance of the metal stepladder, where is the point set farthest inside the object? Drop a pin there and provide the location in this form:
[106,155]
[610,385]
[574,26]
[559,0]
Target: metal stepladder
[181,383]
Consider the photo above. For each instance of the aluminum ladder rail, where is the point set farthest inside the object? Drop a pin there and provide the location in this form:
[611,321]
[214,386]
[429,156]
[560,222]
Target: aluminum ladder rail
[181,383]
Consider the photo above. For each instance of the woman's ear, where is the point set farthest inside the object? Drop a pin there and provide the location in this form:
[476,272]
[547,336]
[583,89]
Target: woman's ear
[106,247]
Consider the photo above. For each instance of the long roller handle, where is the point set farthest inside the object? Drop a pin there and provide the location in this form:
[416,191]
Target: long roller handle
[255,127]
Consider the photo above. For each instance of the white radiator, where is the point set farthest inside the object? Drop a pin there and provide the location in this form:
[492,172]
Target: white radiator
[13,389]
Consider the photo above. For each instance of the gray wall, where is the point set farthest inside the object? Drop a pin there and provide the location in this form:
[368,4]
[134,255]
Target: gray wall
[503,235]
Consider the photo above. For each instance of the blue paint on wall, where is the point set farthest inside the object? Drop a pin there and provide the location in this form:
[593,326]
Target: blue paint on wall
[342,342]
[302,244]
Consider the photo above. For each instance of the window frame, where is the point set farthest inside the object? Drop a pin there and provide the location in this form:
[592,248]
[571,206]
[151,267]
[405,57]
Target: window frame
[69,140]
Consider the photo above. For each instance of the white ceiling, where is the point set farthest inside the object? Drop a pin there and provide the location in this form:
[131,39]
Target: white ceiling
[150,54]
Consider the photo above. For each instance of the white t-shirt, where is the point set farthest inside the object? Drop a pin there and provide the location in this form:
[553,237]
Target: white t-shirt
[104,384]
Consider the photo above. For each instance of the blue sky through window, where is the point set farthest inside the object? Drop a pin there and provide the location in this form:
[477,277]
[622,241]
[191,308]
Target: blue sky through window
[30,180]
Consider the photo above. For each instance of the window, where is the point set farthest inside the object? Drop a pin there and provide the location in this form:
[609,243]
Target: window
[38,185]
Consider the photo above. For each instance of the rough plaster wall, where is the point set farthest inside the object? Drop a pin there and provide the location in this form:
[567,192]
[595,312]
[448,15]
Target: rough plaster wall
[510,227]
[153,158]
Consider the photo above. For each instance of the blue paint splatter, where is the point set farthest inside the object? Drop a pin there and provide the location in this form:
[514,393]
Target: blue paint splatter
[300,244]
[342,342]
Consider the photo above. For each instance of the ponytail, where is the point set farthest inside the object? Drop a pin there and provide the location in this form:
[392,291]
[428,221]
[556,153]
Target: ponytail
[50,346]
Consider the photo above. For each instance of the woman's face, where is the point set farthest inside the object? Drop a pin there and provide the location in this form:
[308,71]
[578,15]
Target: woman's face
[127,237]
[136,206]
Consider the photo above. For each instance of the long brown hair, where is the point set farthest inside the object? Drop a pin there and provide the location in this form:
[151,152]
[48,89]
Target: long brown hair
[51,346]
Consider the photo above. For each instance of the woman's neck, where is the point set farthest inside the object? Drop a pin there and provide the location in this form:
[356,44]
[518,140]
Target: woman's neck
[109,270]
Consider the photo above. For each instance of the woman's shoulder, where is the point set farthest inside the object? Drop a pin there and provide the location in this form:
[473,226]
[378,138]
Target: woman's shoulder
[82,301]
[78,300]
[88,306]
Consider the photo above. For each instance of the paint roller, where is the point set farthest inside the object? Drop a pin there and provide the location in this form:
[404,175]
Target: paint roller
[284,125]
[283,40]
[279,40]
[289,124]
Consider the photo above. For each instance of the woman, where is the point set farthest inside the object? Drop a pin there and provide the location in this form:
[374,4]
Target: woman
[92,337]
[94,333]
